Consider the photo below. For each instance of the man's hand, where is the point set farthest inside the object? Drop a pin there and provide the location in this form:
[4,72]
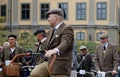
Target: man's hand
[50,52]
[114,72]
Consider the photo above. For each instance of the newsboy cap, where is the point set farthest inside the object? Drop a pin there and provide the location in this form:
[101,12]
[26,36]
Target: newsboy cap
[104,35]
[39,31]
[83,47]
[12,35]
[55,11]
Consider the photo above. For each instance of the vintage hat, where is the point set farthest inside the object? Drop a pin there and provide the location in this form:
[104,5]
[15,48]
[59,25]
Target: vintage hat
[12,35]
[83,47]
[55,11]
[39,31]
[104,35]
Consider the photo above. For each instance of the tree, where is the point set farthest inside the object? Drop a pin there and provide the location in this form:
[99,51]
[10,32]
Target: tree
[3,35]
[27,40]
[2,19]
[90,45]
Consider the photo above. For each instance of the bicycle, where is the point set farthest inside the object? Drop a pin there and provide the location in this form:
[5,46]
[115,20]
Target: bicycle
[26,70]
[83,73]
[103,74]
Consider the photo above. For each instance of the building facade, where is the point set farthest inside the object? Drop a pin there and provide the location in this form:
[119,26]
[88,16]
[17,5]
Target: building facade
[89,18]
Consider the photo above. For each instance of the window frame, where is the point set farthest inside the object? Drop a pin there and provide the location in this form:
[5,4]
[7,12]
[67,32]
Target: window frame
[45,10]
[3,11]
[80,34]
[25,10]
[65,9]
[81,10]
[100,14]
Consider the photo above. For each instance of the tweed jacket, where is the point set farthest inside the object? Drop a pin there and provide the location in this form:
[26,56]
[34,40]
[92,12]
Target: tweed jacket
[39,58]
[87,64]
[63,39]
[6,54]
[106,61]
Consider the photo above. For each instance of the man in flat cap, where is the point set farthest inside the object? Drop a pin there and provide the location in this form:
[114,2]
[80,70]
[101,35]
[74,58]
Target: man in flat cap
[12,50]
[60,40]
[41,65]
[106,56]
[85,62]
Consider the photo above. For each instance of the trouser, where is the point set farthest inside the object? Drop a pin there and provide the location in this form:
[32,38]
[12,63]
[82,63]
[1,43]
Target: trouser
[60,76]
[40,70]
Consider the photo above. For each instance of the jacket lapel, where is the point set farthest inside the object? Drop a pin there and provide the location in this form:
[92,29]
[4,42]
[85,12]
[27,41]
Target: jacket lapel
[49,37]
[57,33]
[101,51]
[107,50]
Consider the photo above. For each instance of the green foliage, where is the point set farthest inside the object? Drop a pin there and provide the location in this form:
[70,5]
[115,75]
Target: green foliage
[27,40]
[90,45]
[2,19]
[3,35]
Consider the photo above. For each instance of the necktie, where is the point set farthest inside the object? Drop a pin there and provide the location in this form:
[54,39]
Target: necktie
[54,30]
[104,48]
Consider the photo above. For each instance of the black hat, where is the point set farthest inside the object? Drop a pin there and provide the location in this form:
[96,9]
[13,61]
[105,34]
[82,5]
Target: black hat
[39,31]
[12,35]
[55,11]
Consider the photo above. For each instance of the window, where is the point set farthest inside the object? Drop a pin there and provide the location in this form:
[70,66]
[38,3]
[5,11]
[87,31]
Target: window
[64,7]
[81,11]
[3,10]
[25,11]
[44,9]
[98,35]
[80,36]
[101,11]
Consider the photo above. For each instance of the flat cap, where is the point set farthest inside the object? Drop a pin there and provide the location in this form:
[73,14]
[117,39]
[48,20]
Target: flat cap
[83,47]
[104,35]
[12,35]
[39,31]
[55,11]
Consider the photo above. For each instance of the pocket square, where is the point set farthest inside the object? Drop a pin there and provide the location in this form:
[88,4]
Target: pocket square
[56,35]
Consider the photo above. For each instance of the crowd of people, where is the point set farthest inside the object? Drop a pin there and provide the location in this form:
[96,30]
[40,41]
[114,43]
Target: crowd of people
[58,44]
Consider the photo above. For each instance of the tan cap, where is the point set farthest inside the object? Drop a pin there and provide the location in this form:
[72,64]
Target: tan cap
[57,11]
[104,35]
[83,47]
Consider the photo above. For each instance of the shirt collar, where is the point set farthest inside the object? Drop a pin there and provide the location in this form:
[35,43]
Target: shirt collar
[43,40]
[106,45]
[12,49]
[58,25]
